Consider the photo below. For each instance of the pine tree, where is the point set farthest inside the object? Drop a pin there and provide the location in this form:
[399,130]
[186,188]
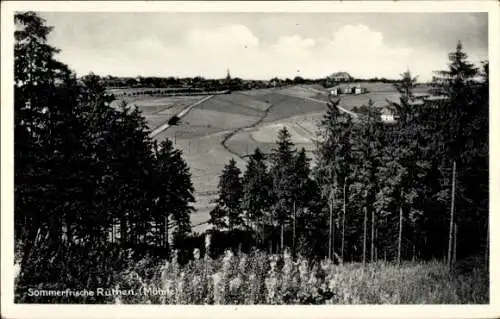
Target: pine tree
[174,193]
[45,95]
[282,172]
[257,191]
[305,193]
[227,213]
[81,167]
[464,129]
[334,156]
[406,85]
[366,158]
[404,167]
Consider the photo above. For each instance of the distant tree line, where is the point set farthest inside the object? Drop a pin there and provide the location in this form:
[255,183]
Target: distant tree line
[199,83]
[414,189]
[233,84]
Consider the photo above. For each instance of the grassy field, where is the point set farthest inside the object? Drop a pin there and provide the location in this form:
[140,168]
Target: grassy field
[202,130]
[303,129]
[260,278]
[379,93]
[158,110]
[206,158]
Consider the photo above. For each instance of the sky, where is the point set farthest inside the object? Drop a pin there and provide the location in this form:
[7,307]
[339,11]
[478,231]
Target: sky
[264,45]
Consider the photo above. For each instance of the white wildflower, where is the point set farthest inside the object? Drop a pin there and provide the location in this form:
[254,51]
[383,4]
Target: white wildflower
[218,288]
[271,284]
[226,262]
[243,264]
[235,284]
[208,242]
[196,254]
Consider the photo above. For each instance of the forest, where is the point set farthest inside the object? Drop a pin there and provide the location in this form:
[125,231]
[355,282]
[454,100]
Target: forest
[96,200]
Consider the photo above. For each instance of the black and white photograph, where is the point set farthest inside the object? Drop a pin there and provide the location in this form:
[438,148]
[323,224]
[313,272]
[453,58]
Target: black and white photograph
[248,157]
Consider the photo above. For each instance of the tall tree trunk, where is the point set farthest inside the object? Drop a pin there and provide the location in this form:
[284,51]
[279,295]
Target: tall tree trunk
[414,247]
[364,235]
[376,246]
[400,237]
[282,236]
[343,221]
[333,221]
[331,228]
[455,244]
[167,244]
[294,225]
[486,251]
[372,249]
[452,213]
[256,231]
[123,230]
[271,237]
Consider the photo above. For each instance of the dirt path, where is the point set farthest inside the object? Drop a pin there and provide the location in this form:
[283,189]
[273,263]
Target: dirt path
[181,114]
[253,125]
[354,115]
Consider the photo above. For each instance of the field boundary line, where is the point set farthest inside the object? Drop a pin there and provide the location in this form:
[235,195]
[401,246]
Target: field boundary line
[354,115]
[180,115]
[253,125]
[311,136]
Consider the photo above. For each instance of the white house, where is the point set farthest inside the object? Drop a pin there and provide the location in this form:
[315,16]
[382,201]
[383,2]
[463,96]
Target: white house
[387,115]
[335,91]
[358,90]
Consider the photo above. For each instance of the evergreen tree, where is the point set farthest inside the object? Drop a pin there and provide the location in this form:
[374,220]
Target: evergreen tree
[403,169]
[307,208]
[302,173]
[81,168]
[363,183]
[257,191]
[174,193]
[406,85]
[334,157]
[284,183]
[45,95]
[464,128]
[227,213]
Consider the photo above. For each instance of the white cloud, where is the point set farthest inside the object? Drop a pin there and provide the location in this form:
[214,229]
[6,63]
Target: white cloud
[229,37]
[357,37]
[209,52]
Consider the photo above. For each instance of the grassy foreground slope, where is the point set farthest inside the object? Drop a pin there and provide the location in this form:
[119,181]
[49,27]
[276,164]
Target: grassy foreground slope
[259,278]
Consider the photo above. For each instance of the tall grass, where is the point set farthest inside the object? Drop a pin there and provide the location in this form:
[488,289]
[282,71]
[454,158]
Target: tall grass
[260,278]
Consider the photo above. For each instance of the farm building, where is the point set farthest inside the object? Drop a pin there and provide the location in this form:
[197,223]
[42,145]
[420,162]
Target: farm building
[357,90]
[347,89]
[388,114]
[341,77]
[335,91]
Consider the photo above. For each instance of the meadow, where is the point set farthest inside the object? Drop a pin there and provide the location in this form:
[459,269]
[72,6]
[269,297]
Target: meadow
[260,278]
[232,125]
[158,110]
